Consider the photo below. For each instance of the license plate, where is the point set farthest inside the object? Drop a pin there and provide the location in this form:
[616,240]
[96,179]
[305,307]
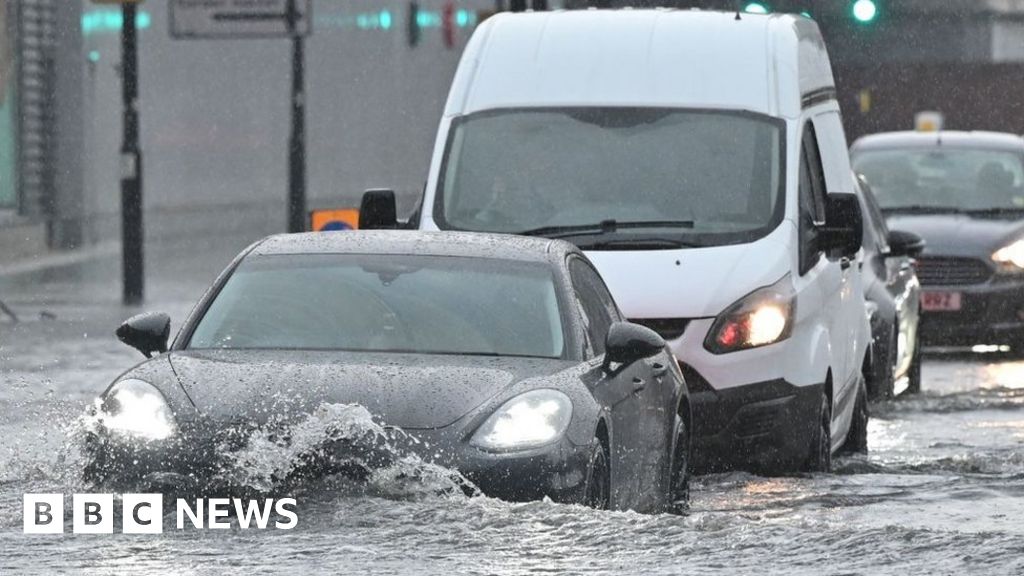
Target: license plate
[941,301]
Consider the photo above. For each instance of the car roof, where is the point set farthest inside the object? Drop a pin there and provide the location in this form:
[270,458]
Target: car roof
[409,242]
[655,57]
[950,138]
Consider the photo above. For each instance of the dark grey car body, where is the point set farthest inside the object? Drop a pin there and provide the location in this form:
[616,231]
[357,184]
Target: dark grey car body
[957,257]
[631,411]
[893,295]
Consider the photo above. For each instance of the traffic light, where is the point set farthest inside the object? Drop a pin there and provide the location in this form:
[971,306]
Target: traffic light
[864,11]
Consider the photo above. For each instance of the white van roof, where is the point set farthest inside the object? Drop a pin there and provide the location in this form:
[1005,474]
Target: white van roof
[772,64]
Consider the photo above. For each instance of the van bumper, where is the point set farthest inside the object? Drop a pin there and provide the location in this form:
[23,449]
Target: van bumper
[767,427]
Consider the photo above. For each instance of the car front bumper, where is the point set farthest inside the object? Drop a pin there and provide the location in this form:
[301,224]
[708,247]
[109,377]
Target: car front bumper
[991,313]
[765,427]
[557,471]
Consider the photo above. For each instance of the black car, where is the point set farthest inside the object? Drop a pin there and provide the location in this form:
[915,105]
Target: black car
[503,358]
[893,298]
[963,192]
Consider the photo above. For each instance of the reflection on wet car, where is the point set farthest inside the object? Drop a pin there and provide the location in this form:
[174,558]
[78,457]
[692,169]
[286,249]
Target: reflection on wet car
[502,358]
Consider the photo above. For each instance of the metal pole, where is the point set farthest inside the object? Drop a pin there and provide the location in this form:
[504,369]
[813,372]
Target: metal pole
[131,165]
[297,138]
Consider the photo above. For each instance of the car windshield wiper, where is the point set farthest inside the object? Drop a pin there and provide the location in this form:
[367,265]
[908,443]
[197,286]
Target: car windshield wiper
[639,243]
[603,227]
[923,209]
[996,211]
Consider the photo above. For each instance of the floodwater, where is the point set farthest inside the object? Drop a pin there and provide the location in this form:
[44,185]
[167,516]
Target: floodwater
[941,492]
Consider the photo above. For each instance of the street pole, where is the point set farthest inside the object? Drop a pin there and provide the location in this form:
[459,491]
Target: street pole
[131,165]
[297,138]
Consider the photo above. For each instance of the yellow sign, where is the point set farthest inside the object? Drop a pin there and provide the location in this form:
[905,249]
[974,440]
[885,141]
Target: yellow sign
[334,219]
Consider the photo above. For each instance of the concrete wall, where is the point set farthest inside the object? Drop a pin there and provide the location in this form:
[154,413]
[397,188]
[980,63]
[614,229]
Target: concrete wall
[215,114]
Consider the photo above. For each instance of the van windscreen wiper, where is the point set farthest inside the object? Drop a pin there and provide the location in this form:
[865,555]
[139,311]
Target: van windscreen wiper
[603,227]
[922,209]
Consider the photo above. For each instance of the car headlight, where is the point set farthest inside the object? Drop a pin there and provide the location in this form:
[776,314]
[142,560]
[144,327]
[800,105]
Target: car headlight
[1011,256]
[529,420]
[137,409]
[760,318]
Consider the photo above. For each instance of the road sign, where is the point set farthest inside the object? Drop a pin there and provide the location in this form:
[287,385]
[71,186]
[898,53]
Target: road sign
[238,18]
[334,219]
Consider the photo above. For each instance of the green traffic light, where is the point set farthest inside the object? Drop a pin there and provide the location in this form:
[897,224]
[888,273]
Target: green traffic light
[756,8]
[865,10]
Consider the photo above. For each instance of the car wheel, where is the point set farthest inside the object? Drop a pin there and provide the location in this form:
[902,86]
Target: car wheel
[914,374]
[679,487]
[857,437]
[820,458]
[598,493]
[884,373]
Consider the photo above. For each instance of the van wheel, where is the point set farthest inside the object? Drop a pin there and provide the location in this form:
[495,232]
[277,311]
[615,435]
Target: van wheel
[857,437]
[820,458]
[914,375]
[679,486]
[598,492]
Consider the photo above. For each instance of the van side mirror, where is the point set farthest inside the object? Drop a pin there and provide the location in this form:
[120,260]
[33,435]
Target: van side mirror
[902,243]
[378,210]
[627,342]
[843,232]
[147,333]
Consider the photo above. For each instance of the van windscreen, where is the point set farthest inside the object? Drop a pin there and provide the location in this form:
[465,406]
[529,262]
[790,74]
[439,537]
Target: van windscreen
[615,177]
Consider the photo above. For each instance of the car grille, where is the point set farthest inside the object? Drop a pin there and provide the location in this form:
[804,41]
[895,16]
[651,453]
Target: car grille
[667,328]
[948,271]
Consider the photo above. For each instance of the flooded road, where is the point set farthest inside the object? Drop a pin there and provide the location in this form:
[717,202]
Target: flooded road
[942,491]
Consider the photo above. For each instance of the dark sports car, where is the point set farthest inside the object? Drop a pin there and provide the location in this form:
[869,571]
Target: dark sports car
[503,358]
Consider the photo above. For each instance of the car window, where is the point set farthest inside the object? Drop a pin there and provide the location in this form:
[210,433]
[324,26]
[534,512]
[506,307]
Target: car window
[812,198]
[521,169]
[874,221]
[419,304]
[597,307]
[944,177]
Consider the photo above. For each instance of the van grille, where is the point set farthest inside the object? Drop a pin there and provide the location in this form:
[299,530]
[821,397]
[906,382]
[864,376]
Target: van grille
[667,328]
[949,271]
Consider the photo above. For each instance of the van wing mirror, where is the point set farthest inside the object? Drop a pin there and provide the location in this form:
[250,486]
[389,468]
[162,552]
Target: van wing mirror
[378,210]
[843,232]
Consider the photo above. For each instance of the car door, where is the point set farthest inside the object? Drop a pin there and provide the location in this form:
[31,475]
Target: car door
[633,394]
[846,305]
[816,270]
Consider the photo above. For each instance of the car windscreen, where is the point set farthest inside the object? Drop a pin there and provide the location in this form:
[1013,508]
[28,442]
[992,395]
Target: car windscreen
[699,177]
[942,177]
[416,304]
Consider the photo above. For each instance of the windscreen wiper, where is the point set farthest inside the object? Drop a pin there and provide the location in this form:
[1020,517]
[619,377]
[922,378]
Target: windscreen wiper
[923,209]
[996,211]
[603,227]
[639,243]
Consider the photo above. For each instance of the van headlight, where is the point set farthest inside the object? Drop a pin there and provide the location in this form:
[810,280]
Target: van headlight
[529,420]
[1011,257]
[136,409]
[763,317]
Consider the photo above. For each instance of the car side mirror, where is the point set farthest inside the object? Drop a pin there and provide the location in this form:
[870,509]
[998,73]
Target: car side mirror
[843,232]
[147,333]
[903,243]
[627,342]
[378,210]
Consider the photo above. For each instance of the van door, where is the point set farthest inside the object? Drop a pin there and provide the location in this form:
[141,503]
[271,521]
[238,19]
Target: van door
[826,274]
[851,316]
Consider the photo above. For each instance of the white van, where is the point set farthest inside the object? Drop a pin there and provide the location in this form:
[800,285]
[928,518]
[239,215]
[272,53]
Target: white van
[700,161]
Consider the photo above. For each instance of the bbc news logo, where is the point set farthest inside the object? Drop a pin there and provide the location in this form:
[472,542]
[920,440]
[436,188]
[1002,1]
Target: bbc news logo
[144,513]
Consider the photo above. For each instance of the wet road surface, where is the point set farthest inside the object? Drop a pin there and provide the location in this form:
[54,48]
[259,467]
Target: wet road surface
[942,491]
